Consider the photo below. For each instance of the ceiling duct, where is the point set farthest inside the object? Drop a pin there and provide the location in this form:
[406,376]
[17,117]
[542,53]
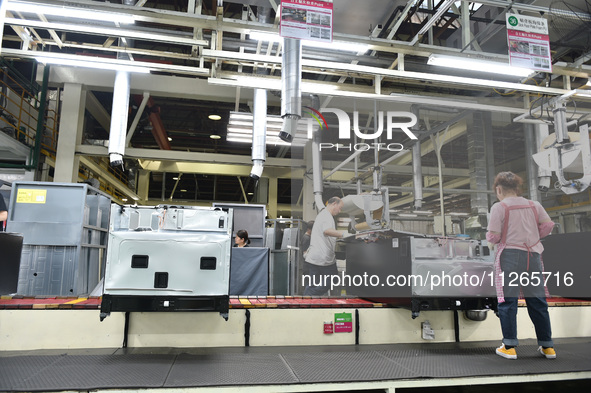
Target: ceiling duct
[291,92]
[120,110]
[259,121]
[316,159]
[119,114]
[417,167]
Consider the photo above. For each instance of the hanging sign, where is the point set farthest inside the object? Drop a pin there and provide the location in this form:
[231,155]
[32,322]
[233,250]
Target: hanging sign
[343,323]
[529,43]
[306,20]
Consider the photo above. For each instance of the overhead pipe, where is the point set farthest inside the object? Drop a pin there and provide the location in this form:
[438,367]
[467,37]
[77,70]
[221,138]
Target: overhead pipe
[259,121]
[544,175]
[120,109]
[316,159]
[259,133]
[119,114]
[291,91]
[417,167]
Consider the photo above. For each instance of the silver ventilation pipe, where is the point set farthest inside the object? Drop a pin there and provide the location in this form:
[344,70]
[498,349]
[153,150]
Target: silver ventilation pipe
[316,159]
[417,167]
[119,114]
[544,175]
[291,92]
[259,133]
[259,121]
[120,110]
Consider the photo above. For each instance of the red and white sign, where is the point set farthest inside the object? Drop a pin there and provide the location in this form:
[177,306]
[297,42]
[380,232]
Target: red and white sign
[306,20]
[529,43]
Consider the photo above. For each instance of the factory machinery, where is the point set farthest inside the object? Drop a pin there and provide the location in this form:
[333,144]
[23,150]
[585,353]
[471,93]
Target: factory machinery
[168,258]
[422,272]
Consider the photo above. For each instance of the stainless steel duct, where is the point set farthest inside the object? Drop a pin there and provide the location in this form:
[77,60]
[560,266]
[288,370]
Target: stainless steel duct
[544,176]
[316,160]
[120,110]
[291,92]
[259,121]
[259,133]
[119,114]
[530,166]
[477,162]
[417,167]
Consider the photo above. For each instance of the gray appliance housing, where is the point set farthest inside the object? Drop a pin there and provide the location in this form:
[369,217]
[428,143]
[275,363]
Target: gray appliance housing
[64,227]
[249,217]
[467,266]
[168,258]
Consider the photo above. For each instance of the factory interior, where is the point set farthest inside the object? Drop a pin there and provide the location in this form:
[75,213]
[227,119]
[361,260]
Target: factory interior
[139,138]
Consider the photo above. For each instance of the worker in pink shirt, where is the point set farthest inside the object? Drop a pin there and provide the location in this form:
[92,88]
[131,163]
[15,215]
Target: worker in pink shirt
[516,226]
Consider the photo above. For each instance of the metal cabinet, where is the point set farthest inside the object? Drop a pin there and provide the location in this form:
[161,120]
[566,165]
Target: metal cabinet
[168,258]
[64,227]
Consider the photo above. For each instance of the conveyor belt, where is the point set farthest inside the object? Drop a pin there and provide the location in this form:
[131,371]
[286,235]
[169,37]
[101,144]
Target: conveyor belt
[46,302]
[83,370]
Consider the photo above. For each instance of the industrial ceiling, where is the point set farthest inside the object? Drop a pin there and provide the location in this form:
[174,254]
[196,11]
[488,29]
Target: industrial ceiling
[202,61]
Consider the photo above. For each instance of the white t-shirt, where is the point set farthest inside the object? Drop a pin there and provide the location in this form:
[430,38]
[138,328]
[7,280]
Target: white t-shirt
[321,251]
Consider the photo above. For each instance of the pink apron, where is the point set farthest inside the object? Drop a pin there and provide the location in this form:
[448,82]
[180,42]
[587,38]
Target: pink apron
[503,243]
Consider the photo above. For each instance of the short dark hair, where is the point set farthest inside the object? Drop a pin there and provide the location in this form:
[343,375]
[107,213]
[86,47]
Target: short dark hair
[309,225]
[509,181]
[243,234]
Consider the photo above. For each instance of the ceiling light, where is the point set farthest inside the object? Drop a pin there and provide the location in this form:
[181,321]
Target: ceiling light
[123,199]
[582,93]
[241,123]
[70,12]
[92,62]
[422,212]
[175,178]
[214,136]
[183,190]
[214,117]
[478,65]
[169,139]
[250,193]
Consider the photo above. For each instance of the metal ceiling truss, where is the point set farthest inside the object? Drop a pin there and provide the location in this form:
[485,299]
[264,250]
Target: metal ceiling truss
[212,46]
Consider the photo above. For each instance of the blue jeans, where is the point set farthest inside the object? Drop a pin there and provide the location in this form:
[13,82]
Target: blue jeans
[317,278]
[514,266]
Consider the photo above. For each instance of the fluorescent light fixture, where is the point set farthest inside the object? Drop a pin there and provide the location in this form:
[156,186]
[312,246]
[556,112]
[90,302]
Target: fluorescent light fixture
[214,117]
[478,65]
[335,45]
[92,62]
[422,212]
[214,136]
[123,199]
[410,215]
[70,12]
[582,93]
[240,129]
